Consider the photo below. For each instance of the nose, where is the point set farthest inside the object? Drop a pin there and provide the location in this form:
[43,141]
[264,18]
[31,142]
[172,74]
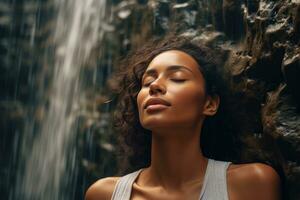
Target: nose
[157,87]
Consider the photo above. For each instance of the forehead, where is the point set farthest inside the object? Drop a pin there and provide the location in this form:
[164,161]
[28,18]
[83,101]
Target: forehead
[174,57]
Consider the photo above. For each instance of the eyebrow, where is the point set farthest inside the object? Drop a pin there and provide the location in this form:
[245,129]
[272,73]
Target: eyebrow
[170,68]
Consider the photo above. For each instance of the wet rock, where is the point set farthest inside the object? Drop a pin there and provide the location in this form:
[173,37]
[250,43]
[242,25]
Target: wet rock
[267,67]
[124,14]
[252,5]
[291,71]
[186,13]
[115,2]
[216,8]
[237,63]
[162,14]
[293,180]
[277,32]
[181,1]
[280,116]
[233,19]
[210,37]
[296,23]
[142,2]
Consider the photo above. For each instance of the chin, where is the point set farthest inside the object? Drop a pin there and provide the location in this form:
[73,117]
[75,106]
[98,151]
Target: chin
[157,124]
[152,126]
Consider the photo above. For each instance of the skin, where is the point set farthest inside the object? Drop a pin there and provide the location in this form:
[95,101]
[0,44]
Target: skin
[177,163]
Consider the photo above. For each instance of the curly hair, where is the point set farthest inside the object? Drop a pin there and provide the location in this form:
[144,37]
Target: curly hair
[222,135]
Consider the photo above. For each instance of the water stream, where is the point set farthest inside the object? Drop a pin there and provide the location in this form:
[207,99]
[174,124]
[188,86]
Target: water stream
[50,160]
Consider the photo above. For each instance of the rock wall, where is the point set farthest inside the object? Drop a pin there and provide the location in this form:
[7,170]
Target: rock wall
[262,40]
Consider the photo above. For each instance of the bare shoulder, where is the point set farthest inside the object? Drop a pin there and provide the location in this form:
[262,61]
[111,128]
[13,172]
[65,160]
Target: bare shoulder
[254,181]
[101,189]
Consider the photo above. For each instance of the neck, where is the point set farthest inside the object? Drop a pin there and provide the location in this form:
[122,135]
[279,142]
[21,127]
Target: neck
[176,158]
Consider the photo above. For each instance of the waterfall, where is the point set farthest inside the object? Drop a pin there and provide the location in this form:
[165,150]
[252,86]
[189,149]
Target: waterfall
[49,168]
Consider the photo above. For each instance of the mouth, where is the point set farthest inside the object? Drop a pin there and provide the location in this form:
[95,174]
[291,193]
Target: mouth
[155,108]
[156,104]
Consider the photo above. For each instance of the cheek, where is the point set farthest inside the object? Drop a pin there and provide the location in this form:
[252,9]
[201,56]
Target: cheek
[140,99]
[189,98]
[188,107]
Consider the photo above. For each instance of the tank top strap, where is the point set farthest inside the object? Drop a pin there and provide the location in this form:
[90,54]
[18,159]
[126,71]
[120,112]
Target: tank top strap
[215,184]
[123,187]
[206,176]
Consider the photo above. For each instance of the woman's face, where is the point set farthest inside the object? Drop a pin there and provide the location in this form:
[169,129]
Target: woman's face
[172,92]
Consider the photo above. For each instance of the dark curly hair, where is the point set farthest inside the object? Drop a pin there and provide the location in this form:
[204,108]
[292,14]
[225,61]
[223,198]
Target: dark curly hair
[223,135]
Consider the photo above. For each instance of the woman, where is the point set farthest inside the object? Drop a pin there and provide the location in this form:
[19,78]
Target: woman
[175,117]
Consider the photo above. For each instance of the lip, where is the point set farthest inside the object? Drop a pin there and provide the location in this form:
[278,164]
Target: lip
[155,108]
[156,104]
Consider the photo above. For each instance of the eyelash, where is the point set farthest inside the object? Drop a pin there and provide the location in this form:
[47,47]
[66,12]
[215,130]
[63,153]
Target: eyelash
[178,80]
[174,80]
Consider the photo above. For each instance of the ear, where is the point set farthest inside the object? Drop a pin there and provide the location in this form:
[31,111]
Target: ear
[211,105]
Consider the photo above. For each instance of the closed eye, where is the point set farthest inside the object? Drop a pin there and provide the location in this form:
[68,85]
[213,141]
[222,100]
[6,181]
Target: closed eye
[147,84]
[178,80]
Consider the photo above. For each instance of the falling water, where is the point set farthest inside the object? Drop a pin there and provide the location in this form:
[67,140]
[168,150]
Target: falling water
[50,163]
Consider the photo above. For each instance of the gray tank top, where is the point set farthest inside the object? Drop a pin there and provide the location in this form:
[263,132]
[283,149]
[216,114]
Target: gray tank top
[214,183]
